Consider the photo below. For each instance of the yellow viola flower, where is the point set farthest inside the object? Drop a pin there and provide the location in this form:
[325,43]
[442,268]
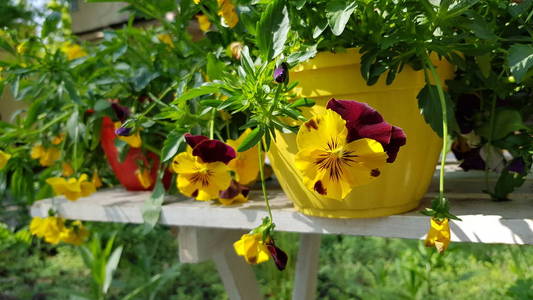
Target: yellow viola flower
[203,22]
[144,177]
[58,139]
[329,164]
[73,51]
[252,248]
[50,228]
[198,179]
[133,140]
[67,170]
[226,10]
[46,157]
[166,39]
[97,182]
[75,234]
[438,235]
[4,158]
[246,164]
[234,194]
[72,188]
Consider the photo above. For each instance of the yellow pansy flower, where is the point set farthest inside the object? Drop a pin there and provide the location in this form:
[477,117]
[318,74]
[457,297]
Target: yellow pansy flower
[329,164]
[75,234]
[4,157]
[166,39]
[226,10]
[73,51]
[236,193]
[252,248]
[133,140]
[246,164]
[67,170]
[58,139]
[97,182]
[72,188]
[37,151]
[50,228]
[144,177]
[46,157]
[438,235]
[198,179]
[203,22]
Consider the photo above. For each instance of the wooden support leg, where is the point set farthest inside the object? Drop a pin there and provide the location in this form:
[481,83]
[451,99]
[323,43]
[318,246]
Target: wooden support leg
[306,267]
[200,244]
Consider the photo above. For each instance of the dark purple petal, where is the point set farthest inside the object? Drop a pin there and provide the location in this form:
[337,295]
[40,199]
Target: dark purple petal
[517,165]
[472,160]
[380,132]
[122,112]
[123,131]
[279,256]
[281,73]
[466,107]
[194,140]
[398,139]
[234,190]
[213,151]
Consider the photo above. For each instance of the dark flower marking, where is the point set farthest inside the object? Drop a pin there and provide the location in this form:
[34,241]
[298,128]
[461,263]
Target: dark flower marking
[279,256]
[312,124]
[234,190]
[319,188]
[375,173]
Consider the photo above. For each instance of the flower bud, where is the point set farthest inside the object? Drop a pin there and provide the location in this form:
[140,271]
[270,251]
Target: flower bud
[123,131]
[281,73]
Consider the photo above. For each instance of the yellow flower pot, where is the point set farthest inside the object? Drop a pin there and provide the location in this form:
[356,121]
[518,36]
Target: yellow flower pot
[403,183]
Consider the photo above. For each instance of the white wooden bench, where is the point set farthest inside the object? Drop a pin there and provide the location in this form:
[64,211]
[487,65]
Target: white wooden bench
[207,230]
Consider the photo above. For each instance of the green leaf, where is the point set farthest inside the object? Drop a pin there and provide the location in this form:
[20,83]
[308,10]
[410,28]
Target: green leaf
[430,108]
[101,105]
[520,60]
[174,143]
[152,206]
[298,57]
[251,140]
[211,103]
[142,78]
[303,102]
[71,89]
[110,268]
[5,45]
[215,67]
[506,184]
[483,62]
[338,13]
[272,29]
[209,88]
[50,24]
[506,121]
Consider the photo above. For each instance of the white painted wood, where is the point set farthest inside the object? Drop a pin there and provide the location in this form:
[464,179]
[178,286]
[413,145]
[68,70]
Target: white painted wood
[306,267]
[199,244]
[237,276]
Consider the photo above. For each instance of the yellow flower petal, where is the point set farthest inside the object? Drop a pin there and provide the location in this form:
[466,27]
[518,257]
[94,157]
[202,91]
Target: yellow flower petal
[200,180]
[245,164]
[438,235]
[49,157]
[37,151]
[4,158]
[203,22]
[320,130]
[252,248]
[36,226]
[67,170]
[73,51]
[58,139]
[184,163]
[166,39]
[133,140]
[97,182]
[144,178]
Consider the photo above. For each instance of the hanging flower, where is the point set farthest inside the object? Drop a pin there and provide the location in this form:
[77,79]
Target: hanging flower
[49,228]
[438,235]
[166,39]
[134,140]
[226,10]
[281,73]
[252,248]
[246,164]
[46,156]
[74,234]
[96,181]
[4,158]
[363,121]
[67,170]
[203,22]
[144,177]
[332,165]
[73,51]
[235,193]
[72,188]
[279,256]
[202,170]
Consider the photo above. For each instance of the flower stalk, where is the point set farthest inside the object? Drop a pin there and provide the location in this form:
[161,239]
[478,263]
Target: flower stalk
[263,184]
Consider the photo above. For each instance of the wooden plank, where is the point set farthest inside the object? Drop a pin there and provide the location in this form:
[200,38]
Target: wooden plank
[306,267]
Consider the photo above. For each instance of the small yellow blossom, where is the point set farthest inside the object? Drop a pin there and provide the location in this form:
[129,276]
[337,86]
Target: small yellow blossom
[97,182]
[58,139]
[22,47]
[46,156]
[226,10]
[438,235]
[166,39]
[196,1]
[72,188]
[246,164]
[252,248]
[4,157]
[73,51]
[203,22]
[49,228]
[133,140]
[67,170]
[75,234]
[144,177]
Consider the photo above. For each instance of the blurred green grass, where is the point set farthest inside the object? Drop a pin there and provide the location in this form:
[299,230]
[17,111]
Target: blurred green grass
[350,268]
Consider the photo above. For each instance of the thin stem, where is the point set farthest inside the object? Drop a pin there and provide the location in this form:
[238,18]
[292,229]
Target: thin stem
[263,185]
[212,124]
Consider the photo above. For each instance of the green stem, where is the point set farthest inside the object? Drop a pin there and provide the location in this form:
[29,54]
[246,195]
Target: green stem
[276,97]
[442,100]
[212,124]
[263,185]
[152,149]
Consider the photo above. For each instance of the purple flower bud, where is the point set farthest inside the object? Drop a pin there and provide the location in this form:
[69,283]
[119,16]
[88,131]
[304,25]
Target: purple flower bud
[517,165]
[281,73]
[123,131]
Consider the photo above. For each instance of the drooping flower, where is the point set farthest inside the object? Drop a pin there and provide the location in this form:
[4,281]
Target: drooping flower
[281,73]
[144,177]
[202,170]
[438,235]
[72,188]
[470,157]
[203,22]
[67,170]
[252,248]
[166,39]
[49,228]
[363,121]
[73,51]
[134,140]
[46,156]
[4,158]
[330,164]
[279,256]
[235,193]
[74,234]
[226,10]
[246,163]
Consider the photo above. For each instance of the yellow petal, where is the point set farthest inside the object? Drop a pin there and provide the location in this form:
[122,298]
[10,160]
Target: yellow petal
[37,151]
[97,182]
[438,235]
[321,130]
[87,188]
[58,139]
[36,226]
[49,156]
[203,22]
[58,184]
[166,39]
[246,164]
[4,158]
[73,51]
[185,163]
[144,177]
[67,170]
[133,140]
